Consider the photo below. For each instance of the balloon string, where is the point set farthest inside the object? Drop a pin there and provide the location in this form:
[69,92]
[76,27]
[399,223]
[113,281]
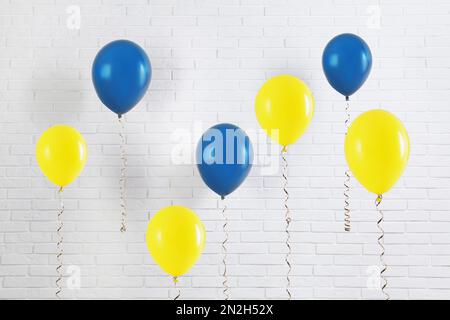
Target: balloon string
[123,177]
[59,248]
[288,222]
[347,225]
[225,252]
[381,244]
[175,281]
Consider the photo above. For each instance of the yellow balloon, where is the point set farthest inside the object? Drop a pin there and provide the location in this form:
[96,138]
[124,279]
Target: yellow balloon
[175,238]
[377,150]
[284,107]
[61,154]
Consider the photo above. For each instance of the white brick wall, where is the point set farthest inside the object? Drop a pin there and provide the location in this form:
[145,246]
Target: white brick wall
[209,59]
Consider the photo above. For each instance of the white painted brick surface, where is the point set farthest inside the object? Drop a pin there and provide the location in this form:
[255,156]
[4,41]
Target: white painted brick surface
[209,59]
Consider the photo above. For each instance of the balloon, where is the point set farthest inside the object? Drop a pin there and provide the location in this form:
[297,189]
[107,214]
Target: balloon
[346,61]
[121,74]
[377,150]
[61,154]
[284,107]
[175,238]
[224,158]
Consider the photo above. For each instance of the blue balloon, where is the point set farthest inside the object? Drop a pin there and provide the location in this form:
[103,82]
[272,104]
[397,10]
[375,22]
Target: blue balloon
[121,74]
[347,61]
[224,158]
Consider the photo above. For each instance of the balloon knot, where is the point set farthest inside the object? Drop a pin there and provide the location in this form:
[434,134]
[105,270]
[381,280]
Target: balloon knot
[175,280]
[61,189]
[347,98]
[284,149]
[378,199]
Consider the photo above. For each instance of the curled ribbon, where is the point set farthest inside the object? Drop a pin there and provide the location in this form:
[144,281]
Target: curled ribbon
[347,225]
[123,177]
[288,222]
[381,244]
[59,248]
[225,252]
